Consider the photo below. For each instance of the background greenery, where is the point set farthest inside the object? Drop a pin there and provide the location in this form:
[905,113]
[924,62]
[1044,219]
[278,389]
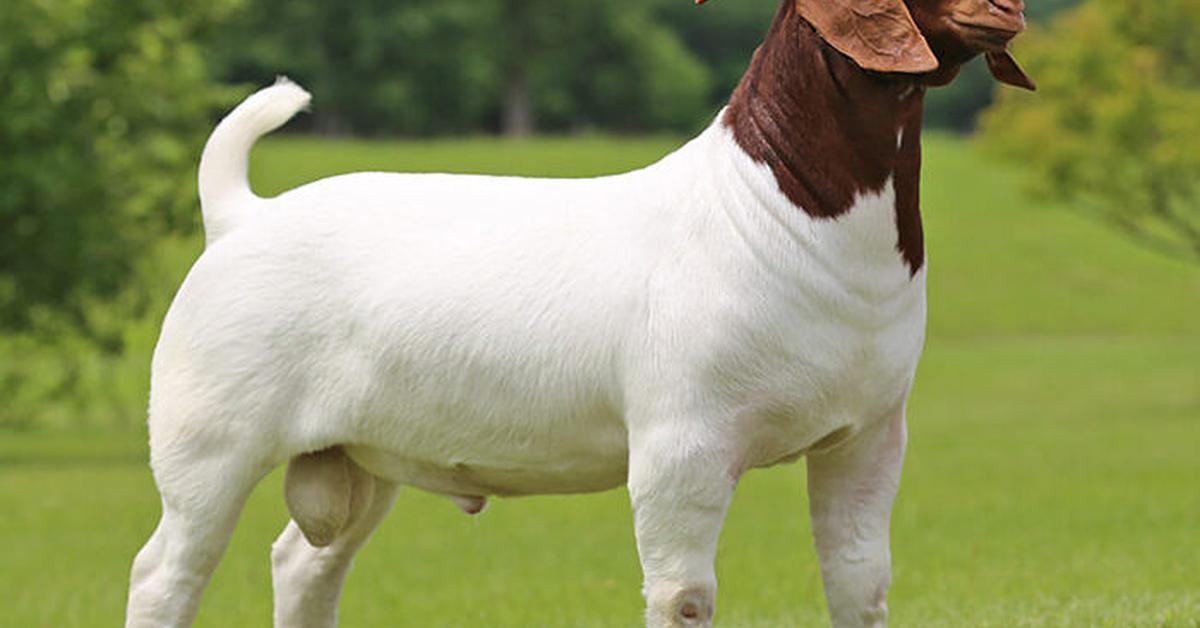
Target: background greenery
[1120,104]
[102,105]
[431,66]
[1057,412]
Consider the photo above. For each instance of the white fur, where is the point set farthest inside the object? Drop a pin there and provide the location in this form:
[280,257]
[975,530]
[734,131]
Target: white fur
[668,328]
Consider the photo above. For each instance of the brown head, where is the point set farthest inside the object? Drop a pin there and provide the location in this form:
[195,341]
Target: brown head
[933,38]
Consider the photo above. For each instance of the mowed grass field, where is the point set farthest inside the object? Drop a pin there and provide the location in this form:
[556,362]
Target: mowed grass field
[1053,476]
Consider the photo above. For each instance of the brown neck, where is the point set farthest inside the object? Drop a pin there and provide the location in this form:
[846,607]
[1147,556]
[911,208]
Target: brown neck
[828,129]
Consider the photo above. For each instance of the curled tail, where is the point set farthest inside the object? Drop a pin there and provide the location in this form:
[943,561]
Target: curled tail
[224,189]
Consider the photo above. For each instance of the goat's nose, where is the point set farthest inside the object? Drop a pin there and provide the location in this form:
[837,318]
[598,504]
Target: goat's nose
[1009,6]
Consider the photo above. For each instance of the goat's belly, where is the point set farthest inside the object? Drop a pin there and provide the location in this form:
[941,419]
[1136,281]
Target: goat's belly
[518,473]
[490,444]
[466,477]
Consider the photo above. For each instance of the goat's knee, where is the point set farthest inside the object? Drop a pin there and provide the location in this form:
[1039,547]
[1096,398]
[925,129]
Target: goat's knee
[674,605]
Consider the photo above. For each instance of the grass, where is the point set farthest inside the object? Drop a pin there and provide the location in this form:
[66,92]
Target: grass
[1051,479]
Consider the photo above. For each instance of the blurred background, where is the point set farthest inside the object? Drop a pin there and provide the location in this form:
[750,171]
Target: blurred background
[1056,419]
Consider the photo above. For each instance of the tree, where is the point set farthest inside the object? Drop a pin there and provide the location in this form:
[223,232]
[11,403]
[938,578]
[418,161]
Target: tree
[623,70]
[1115,127]
[454,66]
[103,106]
[375,67]
[722,34]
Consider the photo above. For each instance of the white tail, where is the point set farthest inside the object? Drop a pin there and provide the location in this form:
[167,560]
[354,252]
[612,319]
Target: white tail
[224,188]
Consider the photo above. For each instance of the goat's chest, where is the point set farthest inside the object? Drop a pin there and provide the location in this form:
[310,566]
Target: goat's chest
[825,338]
[806,380]
[821,359]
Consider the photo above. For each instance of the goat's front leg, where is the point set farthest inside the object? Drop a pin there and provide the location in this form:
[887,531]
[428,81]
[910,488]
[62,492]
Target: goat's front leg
[851,490]
[680,489]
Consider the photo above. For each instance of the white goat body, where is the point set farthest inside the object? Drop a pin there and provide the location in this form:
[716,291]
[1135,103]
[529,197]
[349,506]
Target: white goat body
[479,335]
[475,336]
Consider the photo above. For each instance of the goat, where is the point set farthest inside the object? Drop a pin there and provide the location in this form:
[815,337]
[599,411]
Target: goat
[756,297]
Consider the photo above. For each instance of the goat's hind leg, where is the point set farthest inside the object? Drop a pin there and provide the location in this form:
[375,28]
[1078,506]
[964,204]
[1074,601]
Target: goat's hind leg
[335,506]
[202,496]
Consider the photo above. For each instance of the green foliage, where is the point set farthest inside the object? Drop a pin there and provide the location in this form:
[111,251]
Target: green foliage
[723,34]
[449,66]
[103,104]
[91,369]
[1115,126]
[621,65]
[633,75]
[373,66]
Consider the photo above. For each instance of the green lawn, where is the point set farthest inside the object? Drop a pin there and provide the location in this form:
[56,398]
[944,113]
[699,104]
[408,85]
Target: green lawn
[1053,476]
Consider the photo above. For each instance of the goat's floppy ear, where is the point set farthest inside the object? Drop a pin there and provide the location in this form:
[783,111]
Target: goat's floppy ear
[1004,67]
[878,35]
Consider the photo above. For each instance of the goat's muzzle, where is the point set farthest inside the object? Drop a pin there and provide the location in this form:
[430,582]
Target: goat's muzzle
[988,25]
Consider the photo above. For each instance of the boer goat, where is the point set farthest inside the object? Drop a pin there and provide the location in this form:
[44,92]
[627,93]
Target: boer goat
[755,297]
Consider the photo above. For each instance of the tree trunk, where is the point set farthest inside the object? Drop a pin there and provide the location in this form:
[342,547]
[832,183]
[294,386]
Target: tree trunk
[518,107]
